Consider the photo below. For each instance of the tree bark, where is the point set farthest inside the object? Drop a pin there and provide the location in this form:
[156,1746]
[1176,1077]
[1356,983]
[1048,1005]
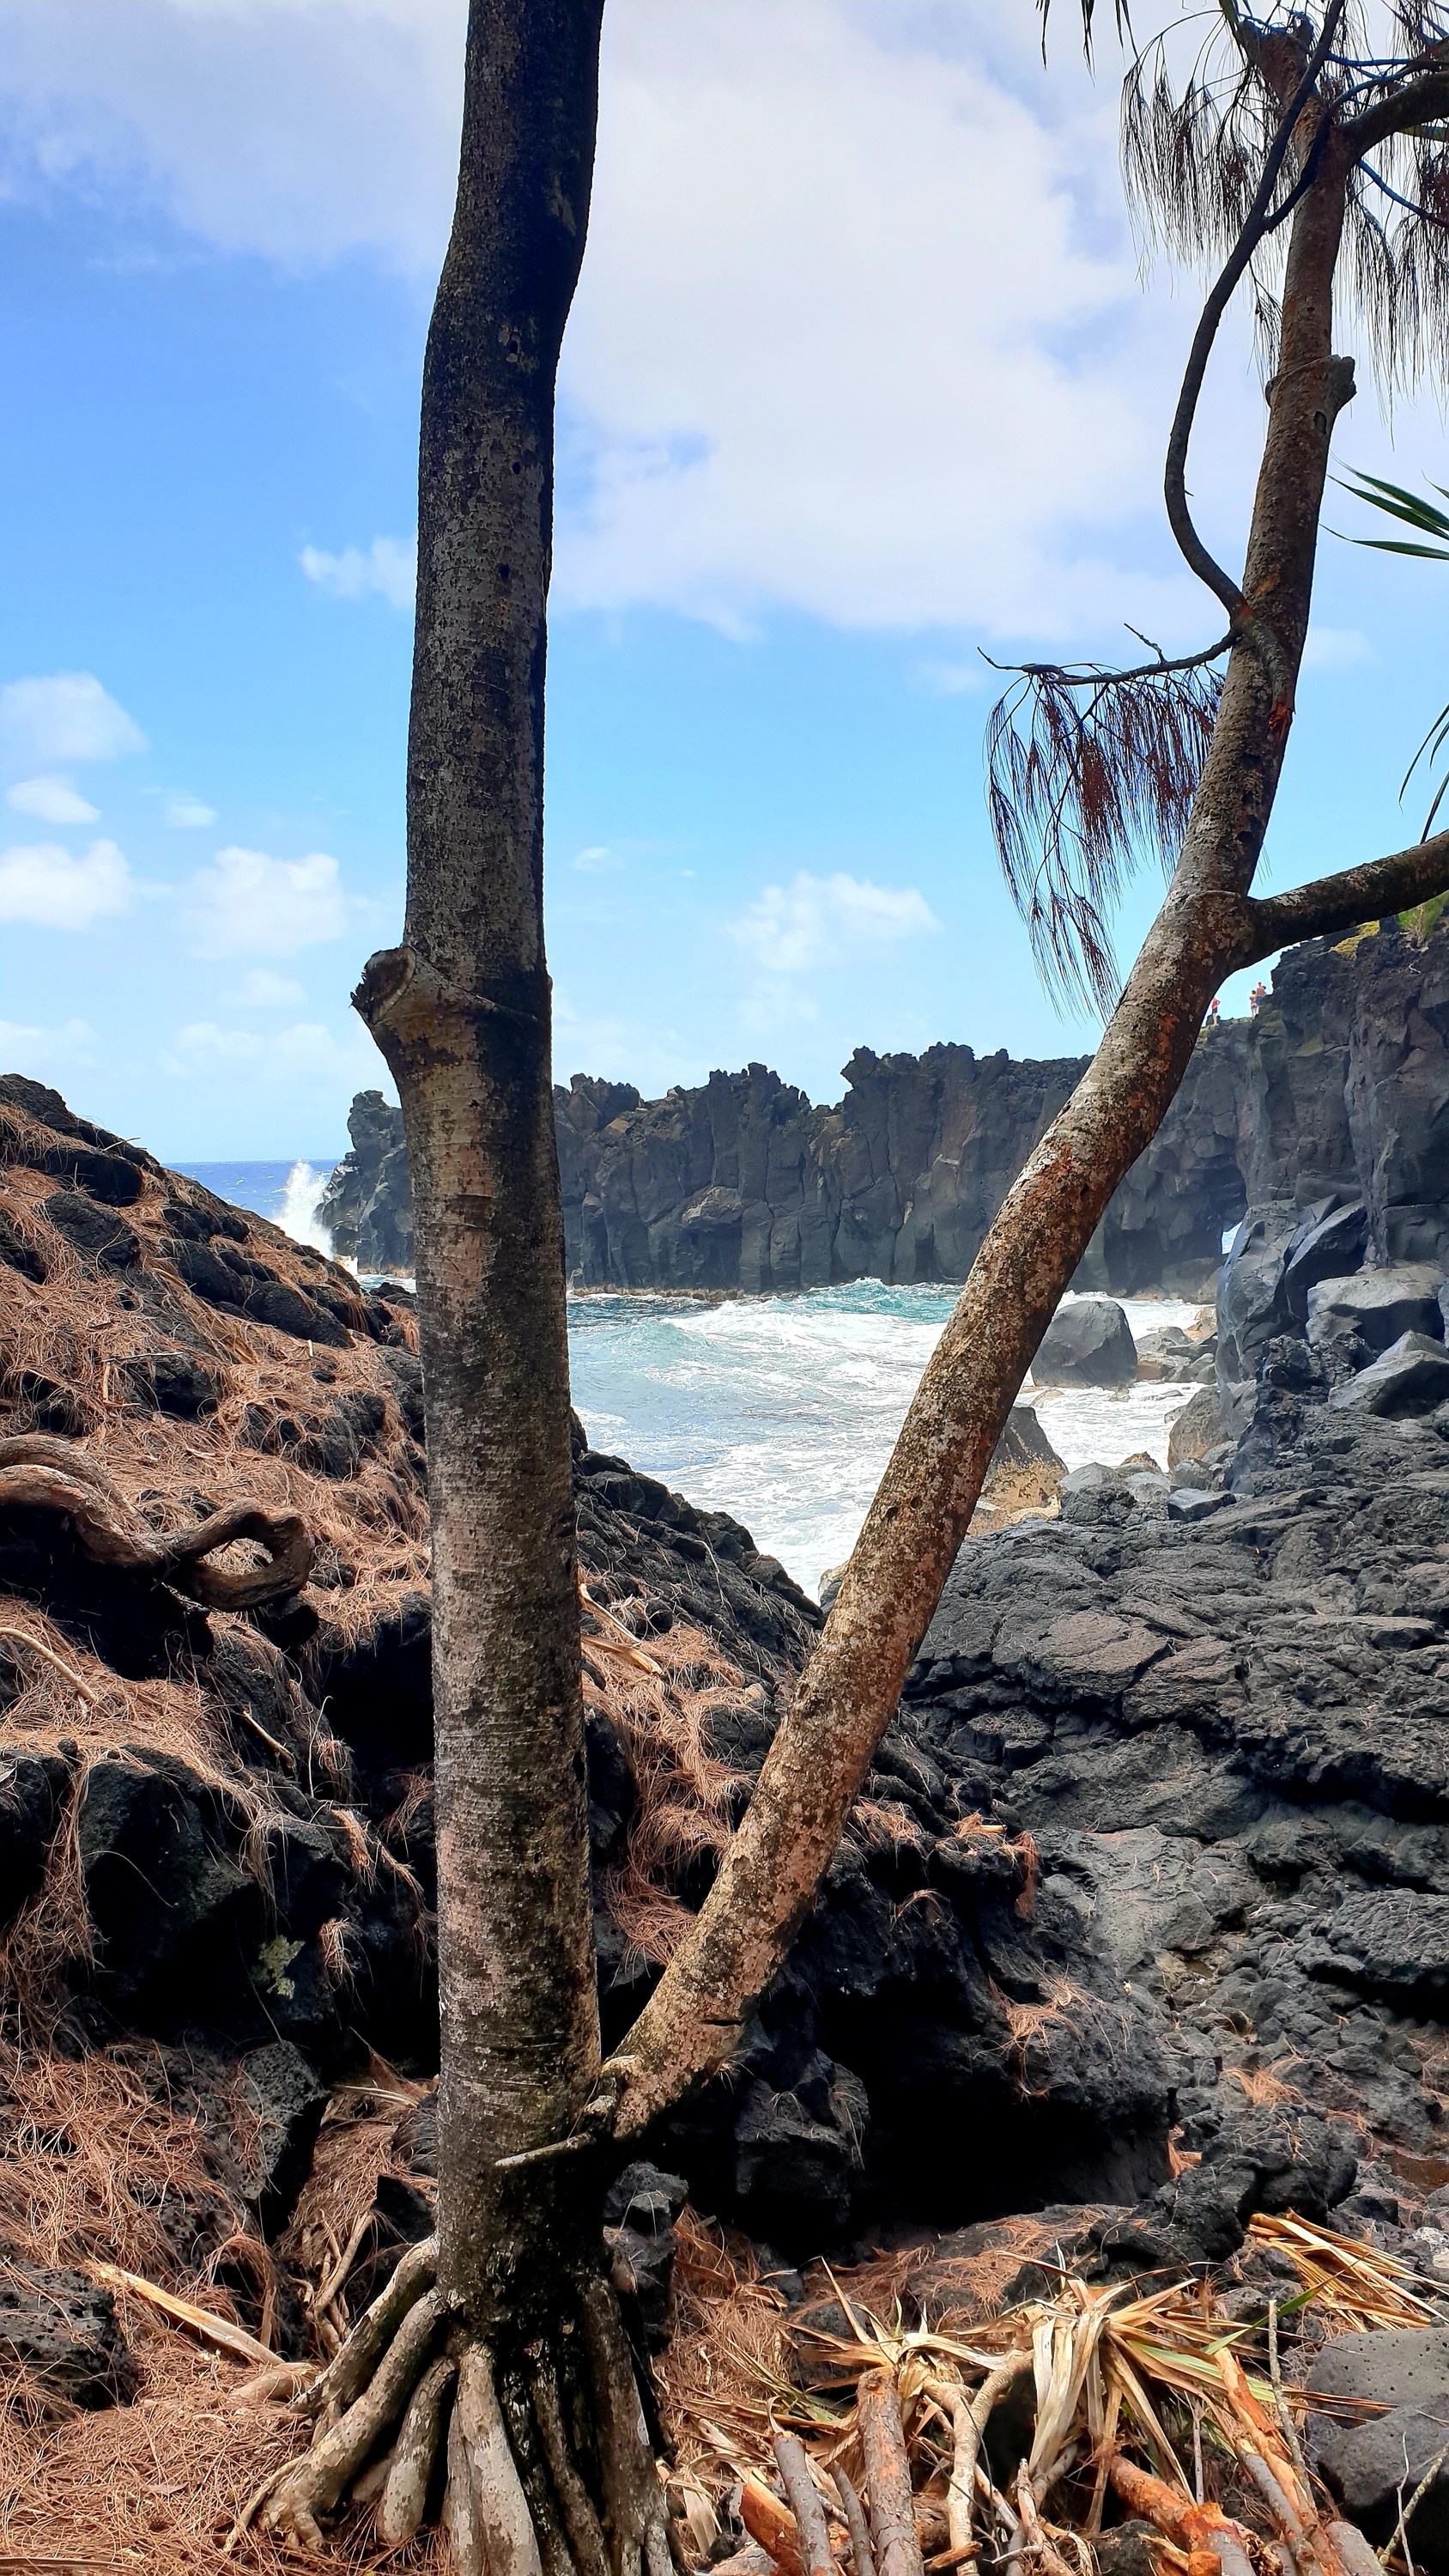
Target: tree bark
[1207,927]
[548,2463]
[461,1012]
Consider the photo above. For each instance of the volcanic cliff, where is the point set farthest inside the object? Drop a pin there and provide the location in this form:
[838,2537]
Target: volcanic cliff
[1341,1084]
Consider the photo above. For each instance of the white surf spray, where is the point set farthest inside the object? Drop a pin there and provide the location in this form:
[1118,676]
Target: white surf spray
[297,1215]
[784,1410]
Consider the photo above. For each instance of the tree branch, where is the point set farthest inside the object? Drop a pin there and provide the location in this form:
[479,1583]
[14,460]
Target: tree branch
[1098,675]
[1342,902]
[1420,102]
[1255,224]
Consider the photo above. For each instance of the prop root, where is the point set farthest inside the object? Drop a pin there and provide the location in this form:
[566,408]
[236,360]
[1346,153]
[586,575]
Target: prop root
[543,2455]
[414,2455]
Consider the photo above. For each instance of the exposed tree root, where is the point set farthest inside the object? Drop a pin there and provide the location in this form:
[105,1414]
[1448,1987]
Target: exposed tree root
[539,2459]
[42,1474]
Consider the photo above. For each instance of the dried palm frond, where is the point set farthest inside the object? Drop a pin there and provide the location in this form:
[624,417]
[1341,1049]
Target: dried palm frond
[1129,2389]
[1088,772]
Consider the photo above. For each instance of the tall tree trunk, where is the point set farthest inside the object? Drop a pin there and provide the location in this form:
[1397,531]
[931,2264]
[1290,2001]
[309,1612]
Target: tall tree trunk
[461,1012]
[1209,925]
[507,2321]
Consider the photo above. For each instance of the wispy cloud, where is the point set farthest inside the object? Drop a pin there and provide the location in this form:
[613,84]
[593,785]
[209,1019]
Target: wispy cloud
[306,1060]
[50,800]
[67,717]
[44,885]
[1336,648]
[185,813]
[40,1050]
[818,921]
[951,679]
[385,569]
[260,989]
[249,904]
[594,861]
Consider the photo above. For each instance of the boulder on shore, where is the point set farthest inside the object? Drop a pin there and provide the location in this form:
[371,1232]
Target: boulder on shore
[1377,1305]
[1196,1429]
[1087,1343]
[1370,2459]
[1412,1376]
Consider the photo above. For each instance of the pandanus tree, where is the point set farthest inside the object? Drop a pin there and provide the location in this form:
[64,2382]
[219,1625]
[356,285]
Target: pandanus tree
[1290,152]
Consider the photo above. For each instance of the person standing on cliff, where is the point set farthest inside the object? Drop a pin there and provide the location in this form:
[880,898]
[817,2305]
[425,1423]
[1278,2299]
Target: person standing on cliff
[1258,995]
[1212,1013]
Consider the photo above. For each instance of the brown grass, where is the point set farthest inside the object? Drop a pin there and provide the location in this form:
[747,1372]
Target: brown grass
[660,1696]
[157,2486]
[90,2150]
[74,1331]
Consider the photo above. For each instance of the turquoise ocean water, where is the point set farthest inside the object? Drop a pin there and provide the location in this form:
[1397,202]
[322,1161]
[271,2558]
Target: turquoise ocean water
[781,1410]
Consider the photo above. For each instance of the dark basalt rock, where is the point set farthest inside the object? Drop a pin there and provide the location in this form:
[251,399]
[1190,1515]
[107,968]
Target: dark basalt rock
[640,2208]
[282,2105]
[1372,2460]
[1411,1377]
[19,1251]
[95,1232]
[1325,1116]
[1375,1307]
[61,2330]
[33,1792]
[41,1404]
[169,1381]
[230,1279]
[1088,1343]
[169,1905]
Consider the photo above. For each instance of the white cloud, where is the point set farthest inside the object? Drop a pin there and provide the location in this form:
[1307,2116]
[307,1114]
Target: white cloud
[302,133]
[51,800]
[187,813]
[1336,648]
[306,1061]
[66,717]
[860,331]
[46,886]
[246,903]
[202,1039]
[260,989]
[819,921]
[593,861]
[41,1050]
[385,567]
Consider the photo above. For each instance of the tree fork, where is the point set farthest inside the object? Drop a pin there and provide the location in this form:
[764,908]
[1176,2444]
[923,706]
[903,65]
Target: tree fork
[1209,926]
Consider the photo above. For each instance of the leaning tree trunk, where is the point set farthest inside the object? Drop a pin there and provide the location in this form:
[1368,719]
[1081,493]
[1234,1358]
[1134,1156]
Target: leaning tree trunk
[497,2356]
[1209,925]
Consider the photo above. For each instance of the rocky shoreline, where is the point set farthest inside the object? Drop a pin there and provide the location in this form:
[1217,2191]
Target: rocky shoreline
[1142,1914]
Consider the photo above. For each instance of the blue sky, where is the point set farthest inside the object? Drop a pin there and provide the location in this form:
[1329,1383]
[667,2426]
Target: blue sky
[862,377]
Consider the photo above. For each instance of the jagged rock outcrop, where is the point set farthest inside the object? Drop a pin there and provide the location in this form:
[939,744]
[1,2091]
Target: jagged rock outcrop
[741,1184]
[1330,1106]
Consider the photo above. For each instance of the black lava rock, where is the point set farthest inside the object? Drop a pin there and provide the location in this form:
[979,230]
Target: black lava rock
[61,2330]
[94,1231]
